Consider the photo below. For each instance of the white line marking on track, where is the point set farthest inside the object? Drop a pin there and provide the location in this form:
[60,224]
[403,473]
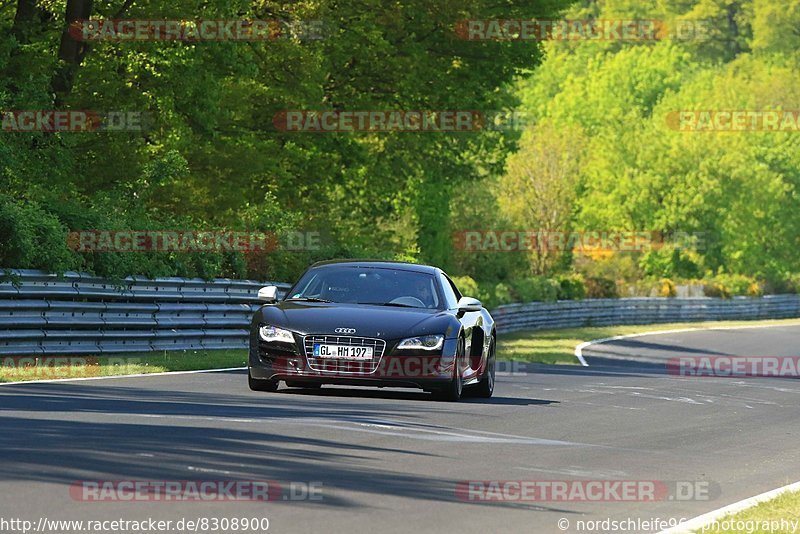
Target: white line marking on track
[381,427]
[579,348]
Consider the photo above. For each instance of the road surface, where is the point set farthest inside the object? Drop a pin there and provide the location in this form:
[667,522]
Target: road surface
[392,460]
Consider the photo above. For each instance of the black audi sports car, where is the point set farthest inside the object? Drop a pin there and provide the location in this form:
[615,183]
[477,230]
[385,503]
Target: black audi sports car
[373,323]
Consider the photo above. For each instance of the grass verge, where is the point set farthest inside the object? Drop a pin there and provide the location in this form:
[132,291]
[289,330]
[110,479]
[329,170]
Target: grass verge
[764,518]
[558,346]
[17,369]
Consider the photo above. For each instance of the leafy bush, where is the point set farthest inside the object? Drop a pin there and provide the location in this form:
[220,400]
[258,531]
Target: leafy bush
[729,285]
[486,295]
[571,287]
[502,294]
[617,266]
[466,285]
[755,289]
[670,262]
[493,295]
[535,289]
[601,288]
[717,290]
[782,284]
[666,288]
[33,238]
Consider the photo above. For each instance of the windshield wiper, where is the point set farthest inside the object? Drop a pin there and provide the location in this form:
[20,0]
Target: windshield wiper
[310,299]
[394,304]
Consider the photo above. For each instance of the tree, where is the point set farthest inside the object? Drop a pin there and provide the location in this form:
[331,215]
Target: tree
[540,189]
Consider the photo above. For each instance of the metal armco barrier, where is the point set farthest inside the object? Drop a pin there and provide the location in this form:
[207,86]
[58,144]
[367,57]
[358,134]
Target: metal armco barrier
[42,313]
[78,313]
[606,312]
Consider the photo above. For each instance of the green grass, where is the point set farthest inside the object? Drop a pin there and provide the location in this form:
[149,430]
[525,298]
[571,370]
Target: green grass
[754,520]
[558,346]
[79,366]
[543,346]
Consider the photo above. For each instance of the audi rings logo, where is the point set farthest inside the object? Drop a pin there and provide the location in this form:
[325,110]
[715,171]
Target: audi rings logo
[345,330]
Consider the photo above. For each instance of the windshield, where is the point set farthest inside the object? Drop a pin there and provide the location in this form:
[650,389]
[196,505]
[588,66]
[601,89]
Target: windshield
[368,285]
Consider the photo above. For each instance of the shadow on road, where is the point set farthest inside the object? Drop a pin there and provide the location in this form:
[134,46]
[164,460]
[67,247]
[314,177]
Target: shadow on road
[412,395]
[64,432]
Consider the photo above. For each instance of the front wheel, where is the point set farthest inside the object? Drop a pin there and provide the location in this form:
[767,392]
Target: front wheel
[485,387]
[261,385]
[454,389]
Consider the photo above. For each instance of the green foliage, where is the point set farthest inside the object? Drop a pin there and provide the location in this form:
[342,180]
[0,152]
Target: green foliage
[601,153]
[540,188]
[466,285]
[601,288]
[476,208]
[571,287]
[34,237]
[782,284]
[671,262]
[716,290]
[502,294]
[730,285]
[537,288]
[667,288]
[493,294]
[735,191]
[623,266]
[211,156]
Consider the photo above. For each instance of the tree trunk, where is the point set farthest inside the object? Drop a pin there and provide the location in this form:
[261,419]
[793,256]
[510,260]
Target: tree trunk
[71,51]
[29,20]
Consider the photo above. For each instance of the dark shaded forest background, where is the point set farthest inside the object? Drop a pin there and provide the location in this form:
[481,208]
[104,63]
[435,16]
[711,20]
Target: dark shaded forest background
[597,155]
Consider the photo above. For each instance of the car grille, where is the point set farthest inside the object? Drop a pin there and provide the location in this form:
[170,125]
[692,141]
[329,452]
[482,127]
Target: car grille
[344,366]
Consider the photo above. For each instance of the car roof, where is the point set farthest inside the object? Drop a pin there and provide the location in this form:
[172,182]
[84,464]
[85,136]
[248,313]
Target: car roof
[379,264]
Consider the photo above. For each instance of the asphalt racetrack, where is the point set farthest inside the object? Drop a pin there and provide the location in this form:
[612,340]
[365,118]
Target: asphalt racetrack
[349,460]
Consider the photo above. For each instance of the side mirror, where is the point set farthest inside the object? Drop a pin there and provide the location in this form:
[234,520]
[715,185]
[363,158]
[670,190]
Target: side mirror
[469,304]
[268,294]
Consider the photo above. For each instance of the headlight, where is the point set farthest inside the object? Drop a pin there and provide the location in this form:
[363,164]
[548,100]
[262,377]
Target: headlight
[273,333]
[422,342]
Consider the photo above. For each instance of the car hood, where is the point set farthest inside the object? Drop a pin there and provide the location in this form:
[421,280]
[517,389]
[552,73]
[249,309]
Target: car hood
[368,321]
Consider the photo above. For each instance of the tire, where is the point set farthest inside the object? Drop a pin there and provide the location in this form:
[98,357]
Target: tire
[307,385]
[453,391]
[261,385]
[485,387]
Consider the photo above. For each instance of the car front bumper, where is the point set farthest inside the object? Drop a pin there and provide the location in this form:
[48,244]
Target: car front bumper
[420,369]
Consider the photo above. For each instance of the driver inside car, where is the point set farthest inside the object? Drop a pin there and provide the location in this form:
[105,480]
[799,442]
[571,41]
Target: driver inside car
[422,291]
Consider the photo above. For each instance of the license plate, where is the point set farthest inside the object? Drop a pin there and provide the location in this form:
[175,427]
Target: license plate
[342,352]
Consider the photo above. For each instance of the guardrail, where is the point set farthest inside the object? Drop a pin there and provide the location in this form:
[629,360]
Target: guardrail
[78,313]
[606,312]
